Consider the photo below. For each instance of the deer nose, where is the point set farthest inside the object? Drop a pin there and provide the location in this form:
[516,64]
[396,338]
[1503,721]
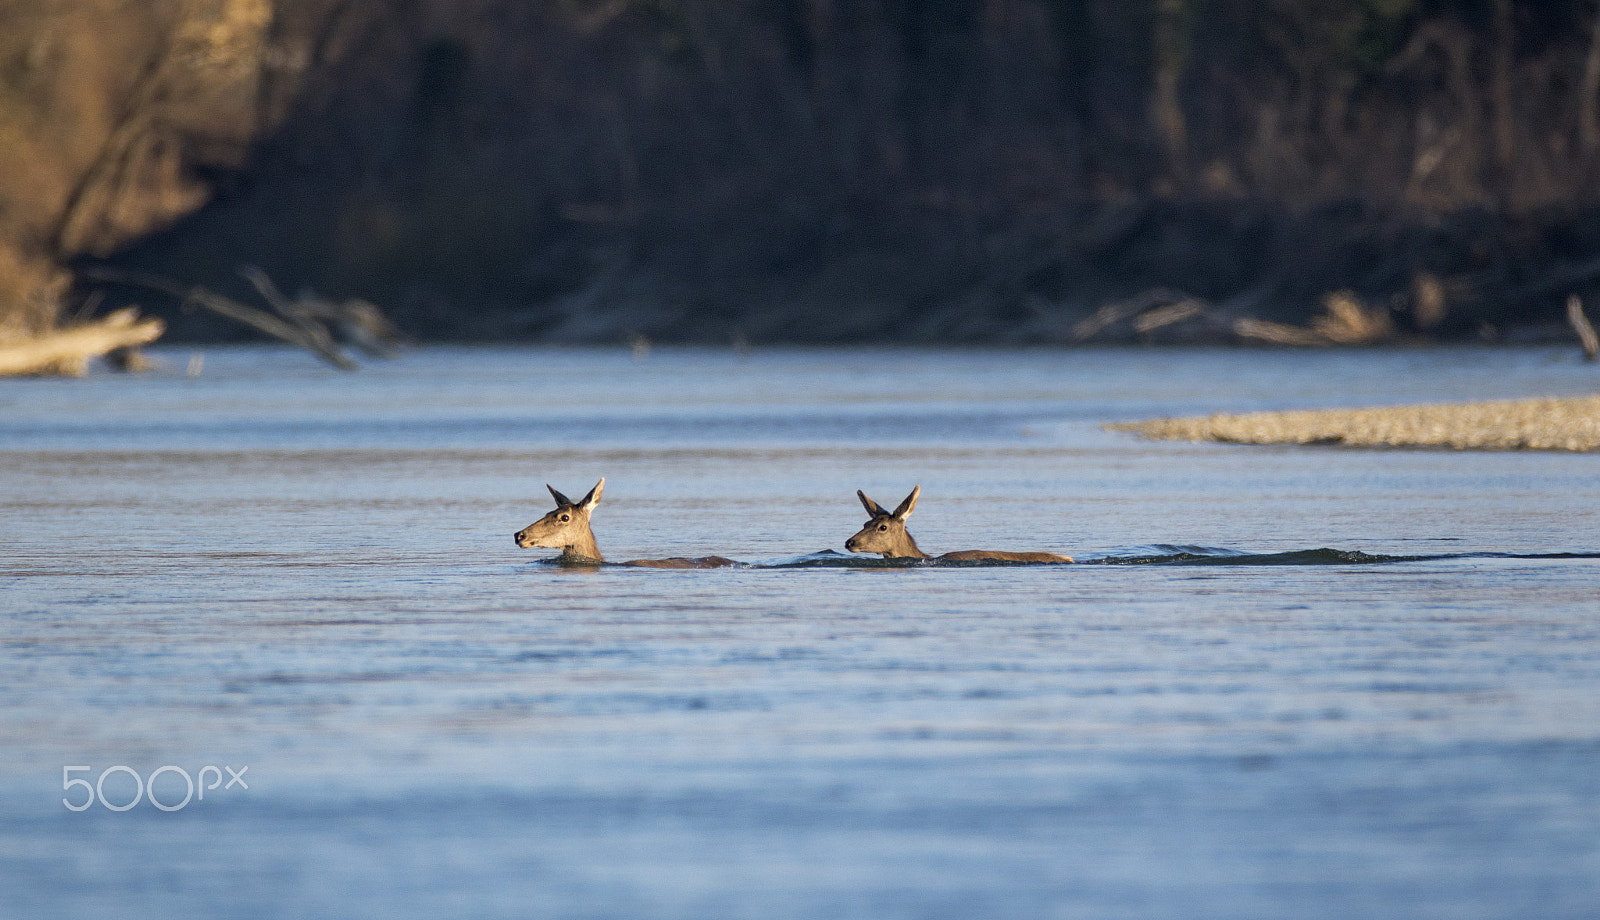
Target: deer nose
[850,544]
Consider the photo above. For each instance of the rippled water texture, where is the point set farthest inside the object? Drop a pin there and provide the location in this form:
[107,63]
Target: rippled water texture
[1290,682]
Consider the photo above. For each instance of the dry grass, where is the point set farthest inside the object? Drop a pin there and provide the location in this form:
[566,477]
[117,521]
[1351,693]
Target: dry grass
[1530,424]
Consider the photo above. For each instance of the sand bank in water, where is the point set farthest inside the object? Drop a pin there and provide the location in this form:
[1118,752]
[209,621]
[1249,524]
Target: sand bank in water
[1527,424]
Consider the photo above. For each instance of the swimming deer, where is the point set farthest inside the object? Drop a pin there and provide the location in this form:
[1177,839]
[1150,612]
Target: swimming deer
[567,529]
[886,534]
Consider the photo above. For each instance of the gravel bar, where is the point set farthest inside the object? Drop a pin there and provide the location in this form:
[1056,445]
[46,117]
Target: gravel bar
[1571,424]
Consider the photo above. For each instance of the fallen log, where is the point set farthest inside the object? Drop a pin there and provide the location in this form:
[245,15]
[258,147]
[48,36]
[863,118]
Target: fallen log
[1161,317]
[1344,321]
[357,323]
[313,331]
[260,320]
[67,352]
[1265,330]
[1144,308]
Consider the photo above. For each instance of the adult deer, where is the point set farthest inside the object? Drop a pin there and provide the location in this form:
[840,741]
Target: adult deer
[886,534]
[567,529]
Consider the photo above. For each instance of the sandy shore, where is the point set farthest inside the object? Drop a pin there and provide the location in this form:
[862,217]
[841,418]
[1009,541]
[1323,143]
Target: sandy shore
[1528,424]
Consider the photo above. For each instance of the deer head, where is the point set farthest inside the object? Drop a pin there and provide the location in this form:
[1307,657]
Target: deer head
[567,527]
[886,532]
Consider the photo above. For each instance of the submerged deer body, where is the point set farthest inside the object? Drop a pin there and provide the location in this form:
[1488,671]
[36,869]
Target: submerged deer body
[886,534]
[567,529]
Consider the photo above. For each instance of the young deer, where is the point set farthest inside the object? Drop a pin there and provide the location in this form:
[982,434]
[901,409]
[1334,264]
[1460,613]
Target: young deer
[886,534]
[567,529]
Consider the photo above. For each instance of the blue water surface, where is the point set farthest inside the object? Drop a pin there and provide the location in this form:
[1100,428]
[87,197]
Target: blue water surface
[1282,682]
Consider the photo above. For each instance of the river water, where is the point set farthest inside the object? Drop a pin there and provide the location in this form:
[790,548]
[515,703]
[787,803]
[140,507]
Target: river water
[1288,682]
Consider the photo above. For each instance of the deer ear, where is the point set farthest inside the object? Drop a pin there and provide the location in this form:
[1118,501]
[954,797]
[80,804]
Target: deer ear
[909,505]
[561,500]
[873,508]
[593,498]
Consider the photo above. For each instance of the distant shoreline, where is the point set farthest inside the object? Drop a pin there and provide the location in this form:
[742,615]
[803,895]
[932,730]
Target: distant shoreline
[1550,424]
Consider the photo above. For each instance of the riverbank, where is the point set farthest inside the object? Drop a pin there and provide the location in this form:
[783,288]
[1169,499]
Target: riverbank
[603,173]
[1569,424]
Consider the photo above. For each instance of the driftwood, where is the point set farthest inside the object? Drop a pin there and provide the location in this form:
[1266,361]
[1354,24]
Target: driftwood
[309,329]
[320,344]
[1344,321]
[1146,313]
[1162,317]
[1265,330]
[1580,325]
[1122,310]
[67,352]
[354,322]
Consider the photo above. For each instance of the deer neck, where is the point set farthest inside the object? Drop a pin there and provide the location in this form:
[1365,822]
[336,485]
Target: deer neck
[584,547]
[910,549]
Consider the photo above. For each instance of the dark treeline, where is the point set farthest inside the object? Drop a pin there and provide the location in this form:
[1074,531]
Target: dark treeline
[877,170]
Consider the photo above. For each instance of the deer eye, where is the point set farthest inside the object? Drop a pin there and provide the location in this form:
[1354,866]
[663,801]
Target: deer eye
[883,528]
[565,518]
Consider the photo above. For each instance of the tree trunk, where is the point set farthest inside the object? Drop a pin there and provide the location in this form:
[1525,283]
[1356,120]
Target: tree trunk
[1589,95]
[1504,58]
[1171,45]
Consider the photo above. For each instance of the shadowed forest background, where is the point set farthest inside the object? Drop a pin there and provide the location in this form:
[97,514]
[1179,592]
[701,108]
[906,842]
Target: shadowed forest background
[808,171]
